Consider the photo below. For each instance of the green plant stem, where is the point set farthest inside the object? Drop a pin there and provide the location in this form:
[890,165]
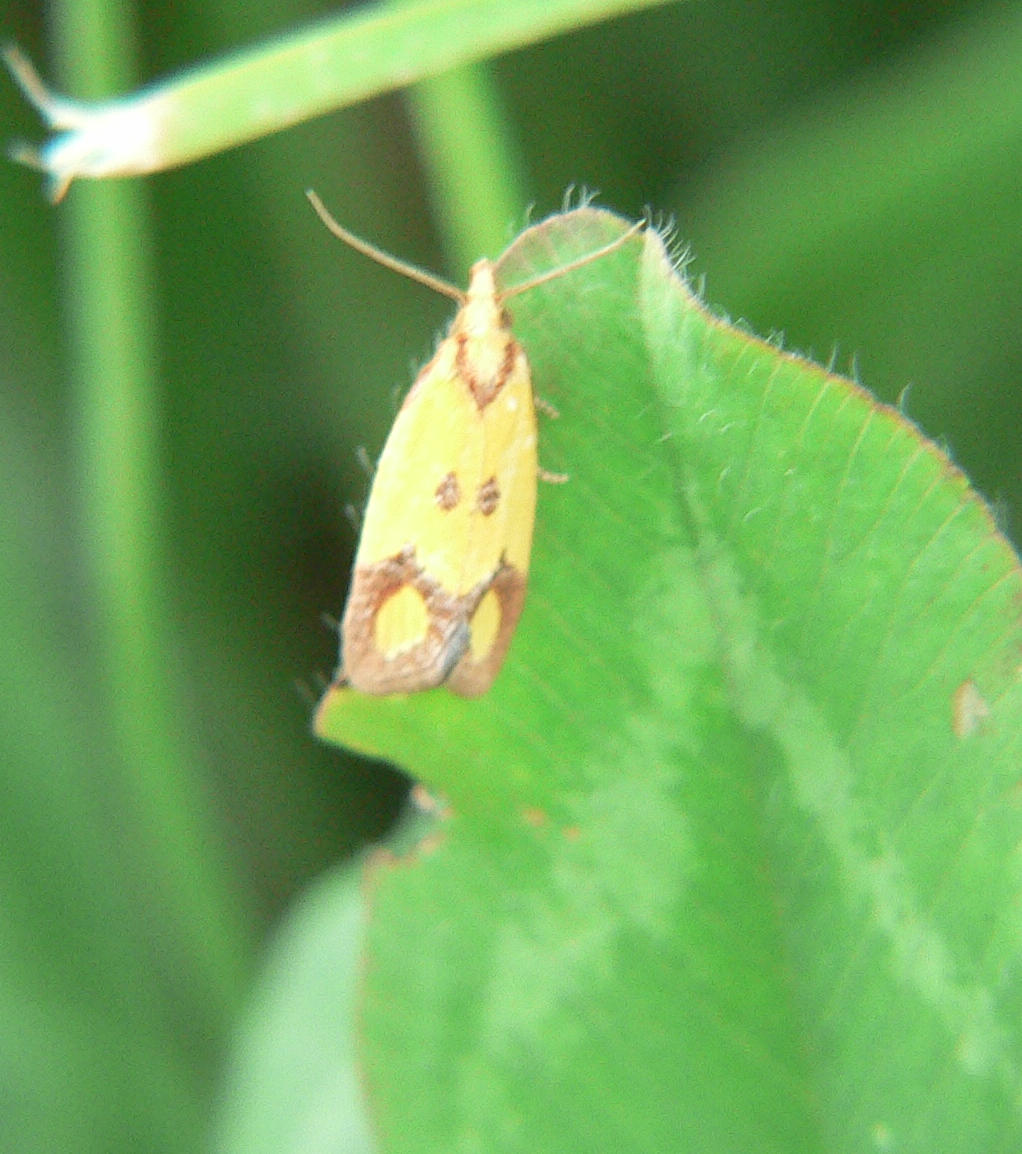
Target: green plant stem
[471,156]
[112,353]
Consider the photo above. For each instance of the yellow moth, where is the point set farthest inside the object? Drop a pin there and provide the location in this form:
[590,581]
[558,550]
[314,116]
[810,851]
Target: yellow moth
[441,566]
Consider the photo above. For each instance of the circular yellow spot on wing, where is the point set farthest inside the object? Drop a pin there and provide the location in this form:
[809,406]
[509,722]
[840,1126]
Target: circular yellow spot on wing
[485,625]
[401,622]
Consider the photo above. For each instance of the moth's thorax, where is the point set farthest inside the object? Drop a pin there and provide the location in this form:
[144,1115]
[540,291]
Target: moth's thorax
[486,352]
[482,311]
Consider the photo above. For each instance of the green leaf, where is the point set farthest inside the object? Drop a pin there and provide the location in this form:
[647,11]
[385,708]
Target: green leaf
[293,1084]
[731,861]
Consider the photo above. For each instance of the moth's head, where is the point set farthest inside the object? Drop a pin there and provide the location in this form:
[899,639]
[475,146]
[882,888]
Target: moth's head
[483,310]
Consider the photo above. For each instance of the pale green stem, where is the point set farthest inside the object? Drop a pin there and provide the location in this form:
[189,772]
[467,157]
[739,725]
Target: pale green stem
[479,191]
[109,290]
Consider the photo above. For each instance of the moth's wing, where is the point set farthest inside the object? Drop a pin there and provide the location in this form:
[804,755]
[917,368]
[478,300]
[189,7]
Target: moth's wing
[500,545]
[405,624]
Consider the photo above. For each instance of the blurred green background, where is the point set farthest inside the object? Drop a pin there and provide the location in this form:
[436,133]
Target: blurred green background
[843,174]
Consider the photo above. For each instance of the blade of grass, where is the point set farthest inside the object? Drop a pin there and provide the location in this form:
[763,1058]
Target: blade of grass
[277,84]
[475,170]
[112,350]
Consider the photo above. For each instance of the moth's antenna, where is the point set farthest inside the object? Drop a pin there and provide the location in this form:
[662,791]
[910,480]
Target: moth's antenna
[377,254]
[574,264]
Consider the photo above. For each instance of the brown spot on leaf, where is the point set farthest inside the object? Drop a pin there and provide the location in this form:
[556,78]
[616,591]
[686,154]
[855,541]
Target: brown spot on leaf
[969,709]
